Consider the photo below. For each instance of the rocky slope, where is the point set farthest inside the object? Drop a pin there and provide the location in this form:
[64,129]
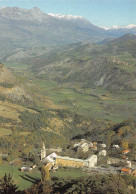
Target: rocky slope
[10,88]
[6,76]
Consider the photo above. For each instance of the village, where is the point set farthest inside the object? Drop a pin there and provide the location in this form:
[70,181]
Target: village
[97,161]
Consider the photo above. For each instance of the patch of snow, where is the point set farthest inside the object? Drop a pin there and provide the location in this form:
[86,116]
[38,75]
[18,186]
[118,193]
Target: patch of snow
[3,7]
[115,27]
[69,17]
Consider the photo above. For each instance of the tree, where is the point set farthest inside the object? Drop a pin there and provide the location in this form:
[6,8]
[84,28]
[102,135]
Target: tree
[7,185]
[43,188]
[125,144]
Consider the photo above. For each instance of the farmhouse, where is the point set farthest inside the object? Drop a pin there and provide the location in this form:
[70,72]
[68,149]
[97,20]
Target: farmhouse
[133,173]
[128,163]
[103,145]
[26,169]
[125,151]
[103,153]
[84,147]
[126,170]
[94,148]
[116,146]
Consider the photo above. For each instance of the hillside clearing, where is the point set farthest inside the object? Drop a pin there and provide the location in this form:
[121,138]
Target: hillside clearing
[11,111]
[4,131]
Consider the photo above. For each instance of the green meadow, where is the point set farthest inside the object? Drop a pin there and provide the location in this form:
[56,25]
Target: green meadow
[97,103]
[68,173]
[23,179]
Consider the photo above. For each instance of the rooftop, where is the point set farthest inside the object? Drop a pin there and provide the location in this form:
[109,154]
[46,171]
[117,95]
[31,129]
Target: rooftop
[124,151]
[126,170]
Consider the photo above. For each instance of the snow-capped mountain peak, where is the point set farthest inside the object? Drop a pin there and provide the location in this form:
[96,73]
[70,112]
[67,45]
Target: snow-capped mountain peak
[131,26]
[3,7]
[115,27]
[68,17]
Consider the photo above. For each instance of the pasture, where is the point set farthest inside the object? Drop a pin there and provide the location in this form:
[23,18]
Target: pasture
[22,180]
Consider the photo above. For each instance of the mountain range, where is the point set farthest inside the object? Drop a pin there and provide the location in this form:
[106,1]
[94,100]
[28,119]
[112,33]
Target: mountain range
[23,31]
[22,28]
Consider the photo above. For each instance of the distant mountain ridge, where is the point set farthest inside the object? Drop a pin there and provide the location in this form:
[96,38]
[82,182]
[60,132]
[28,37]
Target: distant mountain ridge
[44,23]
[26,33]
[69,17]
[25,29]
[130,26]
[121,30]
[110,66]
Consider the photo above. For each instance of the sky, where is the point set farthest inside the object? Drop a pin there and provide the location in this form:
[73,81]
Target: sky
[99,12]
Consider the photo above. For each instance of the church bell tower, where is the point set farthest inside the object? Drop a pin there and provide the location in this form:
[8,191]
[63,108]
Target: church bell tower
[43,152]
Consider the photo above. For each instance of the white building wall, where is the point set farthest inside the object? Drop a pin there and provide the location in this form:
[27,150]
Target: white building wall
[103,153]
[51,157]
[92,161]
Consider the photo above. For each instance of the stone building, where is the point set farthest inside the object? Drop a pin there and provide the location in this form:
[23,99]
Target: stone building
[102,153]
[103,145]
[84,147]
[69,162]
[91,161]
[76,163]
[128,163]
[51,157]
[116,146]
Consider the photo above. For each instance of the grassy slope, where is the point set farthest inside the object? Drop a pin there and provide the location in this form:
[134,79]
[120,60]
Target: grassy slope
[24,180]
[11,110]
[4,131]
[68,173]
[92,102]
